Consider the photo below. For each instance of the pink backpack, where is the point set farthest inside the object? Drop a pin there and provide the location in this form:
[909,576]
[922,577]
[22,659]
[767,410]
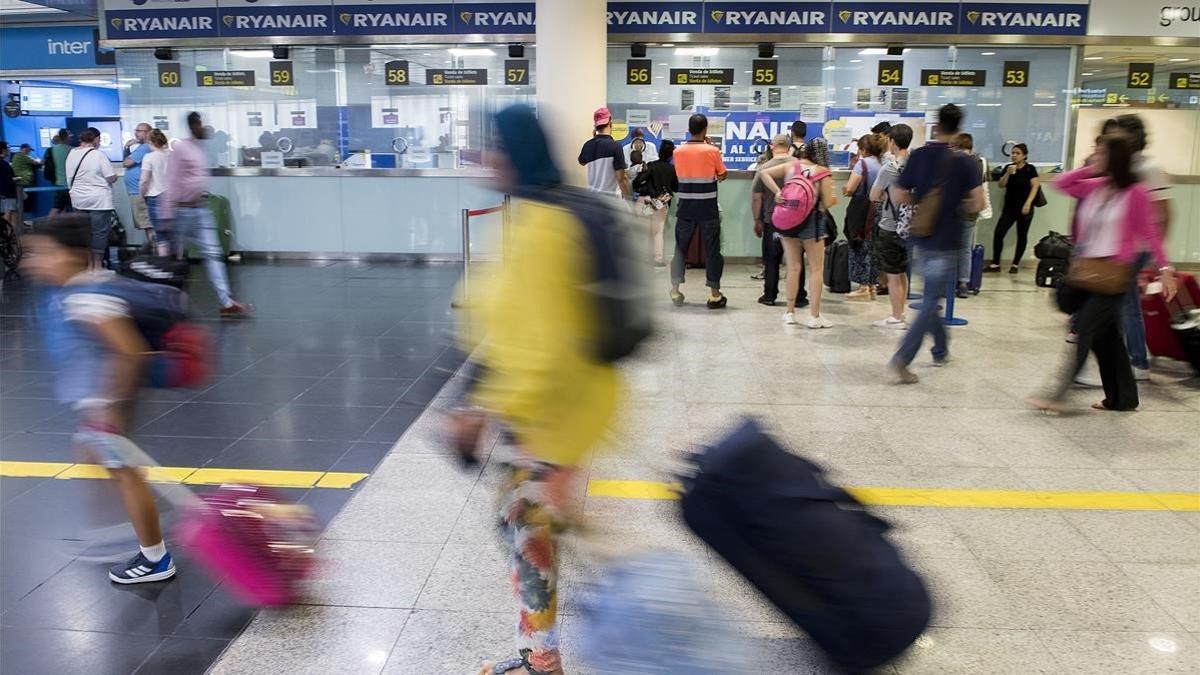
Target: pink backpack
[800,197]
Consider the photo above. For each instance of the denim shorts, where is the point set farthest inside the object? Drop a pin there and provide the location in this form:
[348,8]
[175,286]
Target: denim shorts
[812,228]
[102,222]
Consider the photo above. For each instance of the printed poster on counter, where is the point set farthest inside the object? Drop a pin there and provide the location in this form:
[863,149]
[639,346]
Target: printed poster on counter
[747,134]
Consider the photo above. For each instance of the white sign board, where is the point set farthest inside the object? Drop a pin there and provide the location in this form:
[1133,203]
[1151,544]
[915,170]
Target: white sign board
[272,159]
[1144,19]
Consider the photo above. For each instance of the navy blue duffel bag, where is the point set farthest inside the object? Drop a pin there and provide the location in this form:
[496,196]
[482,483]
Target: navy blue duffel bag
[808,546]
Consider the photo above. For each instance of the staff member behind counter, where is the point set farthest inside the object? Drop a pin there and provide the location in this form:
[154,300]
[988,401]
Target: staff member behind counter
[1021,184]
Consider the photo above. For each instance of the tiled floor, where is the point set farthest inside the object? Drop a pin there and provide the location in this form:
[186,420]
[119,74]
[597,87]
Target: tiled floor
[338,362]
[1028,591]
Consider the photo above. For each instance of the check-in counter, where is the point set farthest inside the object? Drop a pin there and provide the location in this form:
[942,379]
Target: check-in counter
[338,213]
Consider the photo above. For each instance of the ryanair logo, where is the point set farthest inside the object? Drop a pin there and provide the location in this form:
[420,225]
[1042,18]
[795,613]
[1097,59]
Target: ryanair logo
[161,24]
[506,18]
[418,19]
[1026,19]
[926,18]
[622,17]
[265,22]
[768,18]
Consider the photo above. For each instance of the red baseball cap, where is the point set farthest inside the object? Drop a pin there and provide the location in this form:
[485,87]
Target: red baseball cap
[601,117]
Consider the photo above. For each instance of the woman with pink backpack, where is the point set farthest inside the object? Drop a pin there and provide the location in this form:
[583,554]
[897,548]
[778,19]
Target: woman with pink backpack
[799,219]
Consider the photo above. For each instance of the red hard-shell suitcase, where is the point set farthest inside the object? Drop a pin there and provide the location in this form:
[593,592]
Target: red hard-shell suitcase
[1156,314]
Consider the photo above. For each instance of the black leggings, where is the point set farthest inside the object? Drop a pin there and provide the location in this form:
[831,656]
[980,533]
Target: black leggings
[1003,226]
[1097,322]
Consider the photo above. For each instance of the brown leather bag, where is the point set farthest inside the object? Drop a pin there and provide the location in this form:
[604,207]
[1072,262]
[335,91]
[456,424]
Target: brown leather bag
[928,209]
[1103,276]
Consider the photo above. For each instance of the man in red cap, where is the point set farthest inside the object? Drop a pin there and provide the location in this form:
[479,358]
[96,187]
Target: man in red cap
[604,159]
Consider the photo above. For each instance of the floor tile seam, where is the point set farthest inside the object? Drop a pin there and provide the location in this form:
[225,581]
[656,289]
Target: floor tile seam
[150,655]
[1134,583]
[43,582]
[425,408]
[400,633]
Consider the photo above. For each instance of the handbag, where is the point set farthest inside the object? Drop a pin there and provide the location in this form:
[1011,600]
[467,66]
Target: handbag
[858,222]
[1103,276]
[1040,200]
[930,206]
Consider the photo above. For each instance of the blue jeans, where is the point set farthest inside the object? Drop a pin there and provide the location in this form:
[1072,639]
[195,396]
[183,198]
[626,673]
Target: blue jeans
[938,269]
[1131,319]
[964,255]
[197,226]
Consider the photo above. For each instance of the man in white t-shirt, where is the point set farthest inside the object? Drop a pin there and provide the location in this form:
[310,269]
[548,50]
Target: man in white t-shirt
[1155,179]
[89,178]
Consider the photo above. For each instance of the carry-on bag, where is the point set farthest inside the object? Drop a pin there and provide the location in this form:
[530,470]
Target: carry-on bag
[1050,272]
[975,282]
[837,267]
[257,543]
[808,546]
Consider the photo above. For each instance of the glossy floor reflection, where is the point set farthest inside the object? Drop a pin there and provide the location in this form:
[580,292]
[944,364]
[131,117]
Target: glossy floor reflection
[340,360]
[422,587]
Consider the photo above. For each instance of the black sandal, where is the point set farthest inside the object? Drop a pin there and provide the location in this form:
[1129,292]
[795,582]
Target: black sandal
[521,661]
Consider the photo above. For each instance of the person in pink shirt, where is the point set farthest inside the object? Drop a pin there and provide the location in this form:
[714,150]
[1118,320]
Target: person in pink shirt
[183,211]
[1115,220]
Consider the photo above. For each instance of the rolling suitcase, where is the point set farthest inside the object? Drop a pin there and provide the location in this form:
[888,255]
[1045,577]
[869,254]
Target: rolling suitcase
[837,267]
[258,545]
[1050,272]
[222,214]
[809,547]
[1173,329]
[975,284]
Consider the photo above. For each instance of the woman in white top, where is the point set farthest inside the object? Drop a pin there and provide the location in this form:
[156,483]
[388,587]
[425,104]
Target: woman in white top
[154,179]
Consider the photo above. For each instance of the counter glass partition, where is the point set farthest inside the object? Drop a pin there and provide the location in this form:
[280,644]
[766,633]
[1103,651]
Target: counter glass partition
[837,91]
[368,107]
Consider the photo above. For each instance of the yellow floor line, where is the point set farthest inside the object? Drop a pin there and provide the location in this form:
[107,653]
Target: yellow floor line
[949,498]
[340,480]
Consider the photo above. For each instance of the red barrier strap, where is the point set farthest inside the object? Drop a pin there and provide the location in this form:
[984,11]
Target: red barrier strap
[484,212]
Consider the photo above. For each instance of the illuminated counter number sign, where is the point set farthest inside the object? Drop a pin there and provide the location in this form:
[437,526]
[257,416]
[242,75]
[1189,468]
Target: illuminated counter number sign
[1184,81]
[395,72]
[452,76]
[281,74]
[516,71]
[1016,74]
[1141,76]
[168,75]
[765,72]
[953,78]
[694,76]
[891,73]
[637,72]
[225,78]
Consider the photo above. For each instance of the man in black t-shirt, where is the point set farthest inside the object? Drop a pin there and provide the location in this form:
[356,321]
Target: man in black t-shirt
[961,182]
[604,159]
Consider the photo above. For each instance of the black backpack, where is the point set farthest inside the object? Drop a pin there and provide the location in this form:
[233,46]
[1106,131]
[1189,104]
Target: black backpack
[618,290]
[810,547]
[48,170]
[644,184]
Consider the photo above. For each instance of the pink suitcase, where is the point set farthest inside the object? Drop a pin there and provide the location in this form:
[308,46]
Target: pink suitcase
[261,545]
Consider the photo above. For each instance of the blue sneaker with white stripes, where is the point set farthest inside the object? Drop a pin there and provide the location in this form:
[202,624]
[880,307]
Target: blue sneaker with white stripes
[140,570]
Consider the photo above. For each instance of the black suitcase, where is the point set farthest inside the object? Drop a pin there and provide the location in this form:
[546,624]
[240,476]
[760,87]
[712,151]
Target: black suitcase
[808,546]
[1051,272]
[837,267]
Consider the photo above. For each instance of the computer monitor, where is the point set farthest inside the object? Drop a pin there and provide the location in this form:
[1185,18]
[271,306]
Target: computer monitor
[110,139]
[37,100]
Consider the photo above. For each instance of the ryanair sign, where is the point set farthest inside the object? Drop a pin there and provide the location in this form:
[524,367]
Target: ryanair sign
[766,17]
[494,17]
[150,19]
[251,18]
[392,18]
[1023,19]
[655,17]
[917,17]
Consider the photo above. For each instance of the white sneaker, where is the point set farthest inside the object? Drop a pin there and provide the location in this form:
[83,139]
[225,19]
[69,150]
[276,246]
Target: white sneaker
[1088,379]
[818,322]
[789,318]
[1141,374]
[891,322]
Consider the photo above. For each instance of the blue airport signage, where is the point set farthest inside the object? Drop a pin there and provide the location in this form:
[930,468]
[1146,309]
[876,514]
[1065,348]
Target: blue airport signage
[655,17]
[495,17]
[392,17]
[252,18]
[926,18]
[767,17]
[51,48]
[159,19]
[987,18]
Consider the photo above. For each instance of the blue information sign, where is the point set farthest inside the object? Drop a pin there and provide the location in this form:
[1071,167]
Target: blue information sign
[984,18]
[655,17]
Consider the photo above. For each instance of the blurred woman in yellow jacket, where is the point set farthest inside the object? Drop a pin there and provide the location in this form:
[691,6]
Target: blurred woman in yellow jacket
[538,380]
